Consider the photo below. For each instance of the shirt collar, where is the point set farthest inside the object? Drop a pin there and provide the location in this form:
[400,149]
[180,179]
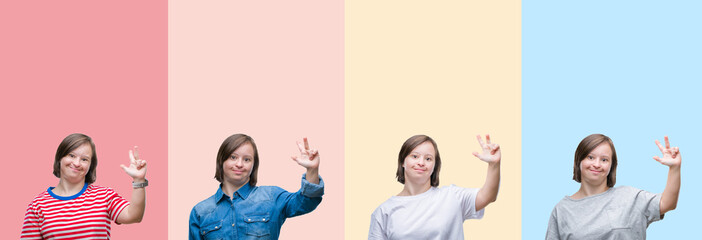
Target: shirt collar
[243,192]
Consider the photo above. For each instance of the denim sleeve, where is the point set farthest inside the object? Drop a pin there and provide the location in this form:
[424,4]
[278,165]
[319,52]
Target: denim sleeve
[194,226]
[303,201]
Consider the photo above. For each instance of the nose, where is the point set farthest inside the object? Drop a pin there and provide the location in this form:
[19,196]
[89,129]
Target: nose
[597,163]
[421,162]
[239,163]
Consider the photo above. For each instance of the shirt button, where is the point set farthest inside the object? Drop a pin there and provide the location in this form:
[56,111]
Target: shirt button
[249,219]
[233,225]
[216,227]
[264,219]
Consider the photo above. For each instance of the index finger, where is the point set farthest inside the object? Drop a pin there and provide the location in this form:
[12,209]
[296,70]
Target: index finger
[659,146]
[131,156]
[300,146]
[480,141]
[487,138]
[667,143]
[136,152]
[307,145]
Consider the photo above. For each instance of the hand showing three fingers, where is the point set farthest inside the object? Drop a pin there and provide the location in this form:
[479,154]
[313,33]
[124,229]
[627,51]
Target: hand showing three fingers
[137,167]
[671,156]
[309,158]
[491,151]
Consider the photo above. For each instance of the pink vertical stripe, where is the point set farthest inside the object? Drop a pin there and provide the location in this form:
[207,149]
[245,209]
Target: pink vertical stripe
[96,67]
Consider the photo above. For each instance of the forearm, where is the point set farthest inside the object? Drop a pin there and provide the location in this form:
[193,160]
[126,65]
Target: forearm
[488,193]
[312,175]
[669,198]
[137,204]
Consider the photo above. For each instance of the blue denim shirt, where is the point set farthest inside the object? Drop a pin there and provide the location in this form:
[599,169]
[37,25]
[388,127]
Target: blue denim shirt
[254,213]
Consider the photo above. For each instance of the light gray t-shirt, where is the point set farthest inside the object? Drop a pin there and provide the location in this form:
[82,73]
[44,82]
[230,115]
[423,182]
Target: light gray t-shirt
[437,213]
[618,213]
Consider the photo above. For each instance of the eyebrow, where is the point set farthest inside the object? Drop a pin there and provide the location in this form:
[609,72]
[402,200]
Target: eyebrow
[245,155]
[421,154]
[82,155]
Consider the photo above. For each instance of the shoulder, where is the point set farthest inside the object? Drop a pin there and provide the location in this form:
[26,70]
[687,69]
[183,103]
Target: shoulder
[39,198]
[205,206]
[385,207]
[456,190]
[625,191]
[99,189]
[564,203]
[96,191]
[267,190]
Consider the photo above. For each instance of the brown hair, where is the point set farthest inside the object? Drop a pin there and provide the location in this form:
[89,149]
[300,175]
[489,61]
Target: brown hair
[585,147]
[407,148]
[228,147]
[70,143]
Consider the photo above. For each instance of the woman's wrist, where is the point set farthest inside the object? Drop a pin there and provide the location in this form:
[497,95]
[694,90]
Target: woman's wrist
[312,171]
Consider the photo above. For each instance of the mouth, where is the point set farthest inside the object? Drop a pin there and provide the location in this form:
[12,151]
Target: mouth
[595,171]
[75,169]
[238,172]
[419,170]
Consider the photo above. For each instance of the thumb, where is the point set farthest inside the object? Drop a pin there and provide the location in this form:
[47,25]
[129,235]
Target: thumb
[476,154]
[123,167]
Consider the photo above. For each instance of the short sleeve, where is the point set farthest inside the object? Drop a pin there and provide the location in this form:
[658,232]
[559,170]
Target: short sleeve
[649,204]
[467,198]
[32,223]
[377,226]
[552,232]
[115,204]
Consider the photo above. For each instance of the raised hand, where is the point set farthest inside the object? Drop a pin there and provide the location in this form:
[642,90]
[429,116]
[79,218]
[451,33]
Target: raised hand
[137,167]
[671,156]
[308,158]
[491,151]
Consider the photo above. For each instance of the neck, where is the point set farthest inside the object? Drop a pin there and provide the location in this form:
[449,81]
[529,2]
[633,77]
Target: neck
[412,189]
[66,188]
[230,188]
[587,190]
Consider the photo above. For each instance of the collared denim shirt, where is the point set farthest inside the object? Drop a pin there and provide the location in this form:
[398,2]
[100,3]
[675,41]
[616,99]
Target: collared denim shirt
[254,213]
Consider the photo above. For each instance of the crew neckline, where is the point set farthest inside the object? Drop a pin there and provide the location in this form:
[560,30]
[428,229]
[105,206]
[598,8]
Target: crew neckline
[421,195]
[54,195]
[591,196]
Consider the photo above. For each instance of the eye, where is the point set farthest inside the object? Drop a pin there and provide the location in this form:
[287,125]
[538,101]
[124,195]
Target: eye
[590,157]
[414,156]
[429,159]
[247,159]
[605,160]
[85,159]
[232,157]
[71,155]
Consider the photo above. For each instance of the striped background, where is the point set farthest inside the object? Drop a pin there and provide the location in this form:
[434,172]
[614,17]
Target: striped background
[357,78]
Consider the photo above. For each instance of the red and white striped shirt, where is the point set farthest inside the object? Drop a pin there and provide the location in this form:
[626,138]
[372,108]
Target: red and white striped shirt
[86,215]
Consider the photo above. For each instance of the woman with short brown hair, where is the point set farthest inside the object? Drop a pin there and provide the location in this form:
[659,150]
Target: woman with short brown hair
[77,209]
[598,210]
[424,211]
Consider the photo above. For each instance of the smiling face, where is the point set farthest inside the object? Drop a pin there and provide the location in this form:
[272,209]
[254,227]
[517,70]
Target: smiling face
[595,159]
[419,163]
[237,168]
[595,167]
[76,164]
